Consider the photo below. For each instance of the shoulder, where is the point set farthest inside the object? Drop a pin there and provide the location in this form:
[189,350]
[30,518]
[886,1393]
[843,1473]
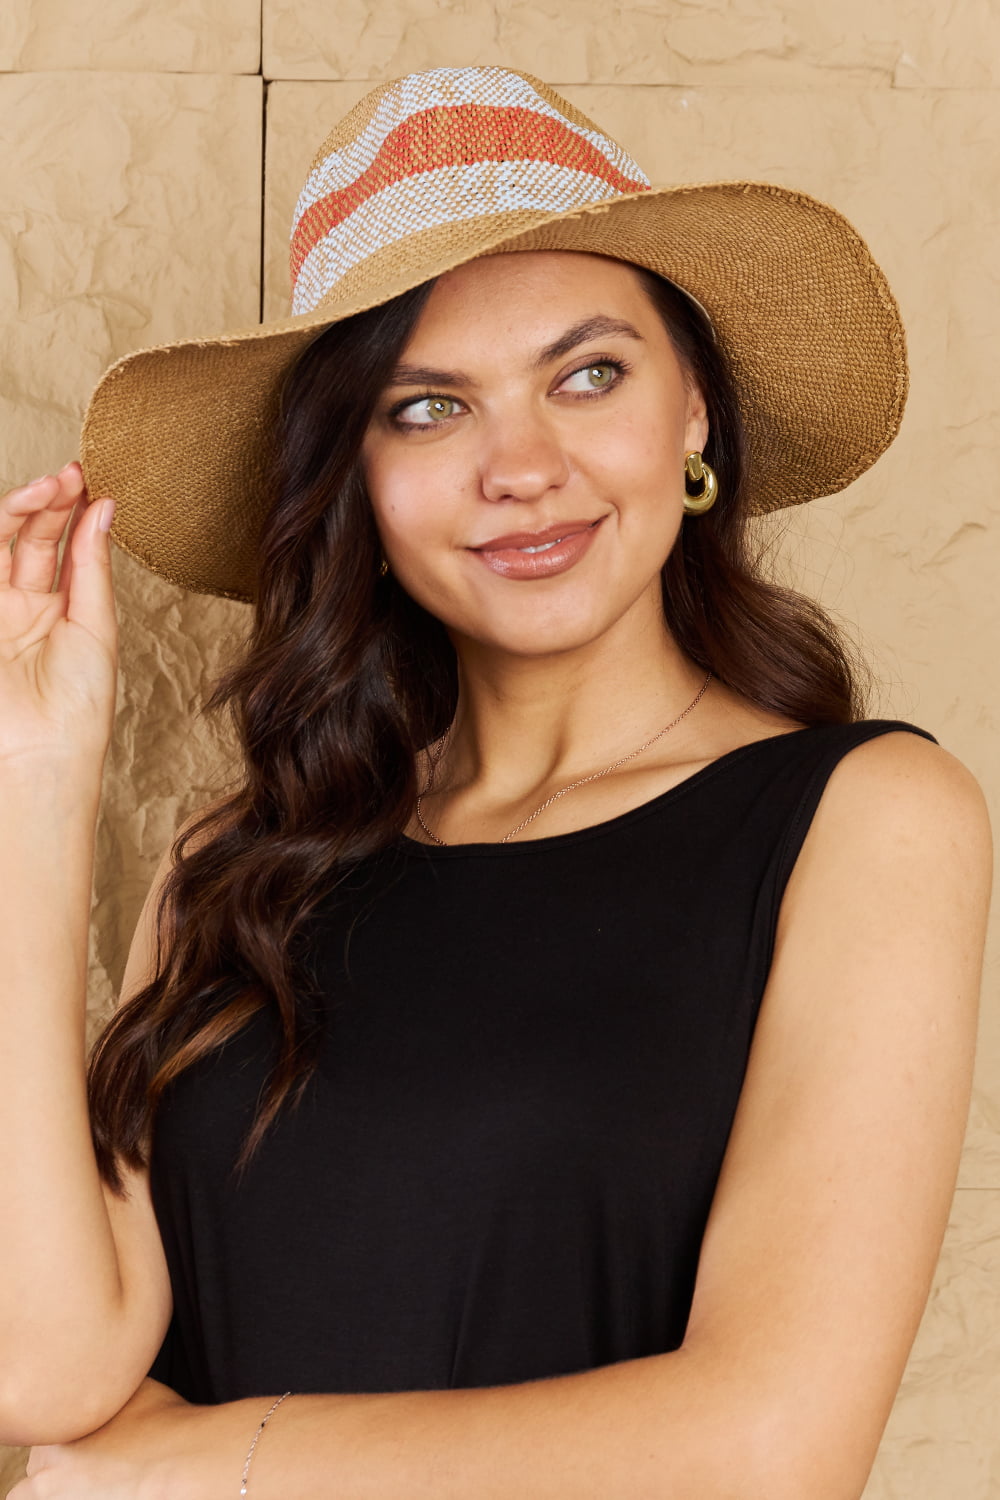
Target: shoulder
[898,857]
[899,783]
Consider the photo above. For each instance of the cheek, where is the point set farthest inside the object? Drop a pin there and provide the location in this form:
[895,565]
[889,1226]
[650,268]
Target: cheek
[392,490]
[413,499]
[642,459]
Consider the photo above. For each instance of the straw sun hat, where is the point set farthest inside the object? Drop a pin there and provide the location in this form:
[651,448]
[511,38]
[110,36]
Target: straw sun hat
[434,170]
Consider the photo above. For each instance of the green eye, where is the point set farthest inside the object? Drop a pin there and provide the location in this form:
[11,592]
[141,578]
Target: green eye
[601,376]
[427,411]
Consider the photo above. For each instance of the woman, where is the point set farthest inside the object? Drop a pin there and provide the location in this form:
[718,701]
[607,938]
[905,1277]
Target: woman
[545,1074]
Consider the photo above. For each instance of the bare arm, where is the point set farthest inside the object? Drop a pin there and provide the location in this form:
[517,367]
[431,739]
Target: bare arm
[83,1292]
[824,1232]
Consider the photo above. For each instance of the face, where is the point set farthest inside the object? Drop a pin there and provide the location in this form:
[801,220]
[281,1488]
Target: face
[525,464]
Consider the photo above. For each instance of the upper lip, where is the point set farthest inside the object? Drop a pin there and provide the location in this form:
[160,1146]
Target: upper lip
[553,533]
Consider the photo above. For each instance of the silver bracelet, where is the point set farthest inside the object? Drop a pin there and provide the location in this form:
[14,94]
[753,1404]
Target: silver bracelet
[256,1437]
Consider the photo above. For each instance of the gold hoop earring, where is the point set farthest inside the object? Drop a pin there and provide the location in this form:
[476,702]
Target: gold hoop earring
[698,472]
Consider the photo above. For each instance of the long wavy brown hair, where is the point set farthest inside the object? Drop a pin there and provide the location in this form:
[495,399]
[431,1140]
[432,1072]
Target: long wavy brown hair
[345,679]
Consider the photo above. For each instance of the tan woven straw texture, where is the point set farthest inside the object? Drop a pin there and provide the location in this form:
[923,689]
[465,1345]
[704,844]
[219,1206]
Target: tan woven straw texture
[181,435]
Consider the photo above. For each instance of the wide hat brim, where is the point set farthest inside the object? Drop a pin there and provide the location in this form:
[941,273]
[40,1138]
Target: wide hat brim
[181,435]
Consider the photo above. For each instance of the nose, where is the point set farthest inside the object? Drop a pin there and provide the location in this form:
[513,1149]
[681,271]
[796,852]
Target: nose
[522,458]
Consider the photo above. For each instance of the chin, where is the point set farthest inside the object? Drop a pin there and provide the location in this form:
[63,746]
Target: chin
[538,637]
[529,620]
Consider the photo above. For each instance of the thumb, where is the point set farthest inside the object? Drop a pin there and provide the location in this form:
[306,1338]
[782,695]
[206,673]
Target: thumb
[91,601]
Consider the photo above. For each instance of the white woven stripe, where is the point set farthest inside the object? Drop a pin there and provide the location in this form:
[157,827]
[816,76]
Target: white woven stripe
[495,87]
[445,196]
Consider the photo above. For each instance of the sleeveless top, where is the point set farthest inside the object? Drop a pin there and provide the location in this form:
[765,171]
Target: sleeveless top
[531,1061]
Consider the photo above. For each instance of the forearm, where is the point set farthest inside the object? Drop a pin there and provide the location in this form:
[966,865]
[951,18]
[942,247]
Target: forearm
[668,1427]
[58,1268]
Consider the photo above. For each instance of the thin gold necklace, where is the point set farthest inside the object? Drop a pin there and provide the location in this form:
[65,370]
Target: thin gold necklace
[442,745]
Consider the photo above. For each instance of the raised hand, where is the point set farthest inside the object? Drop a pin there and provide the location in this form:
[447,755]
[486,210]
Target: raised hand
[58,635]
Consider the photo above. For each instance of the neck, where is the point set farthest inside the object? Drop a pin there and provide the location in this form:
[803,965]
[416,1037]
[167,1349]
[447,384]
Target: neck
[526,722]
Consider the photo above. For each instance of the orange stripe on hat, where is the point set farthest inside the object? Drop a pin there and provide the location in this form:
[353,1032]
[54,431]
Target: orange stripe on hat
[454,136]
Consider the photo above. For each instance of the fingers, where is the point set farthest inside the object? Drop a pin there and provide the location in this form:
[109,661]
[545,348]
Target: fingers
[33,521]
[87,574]
[77,514]
[15,508]
[33,518]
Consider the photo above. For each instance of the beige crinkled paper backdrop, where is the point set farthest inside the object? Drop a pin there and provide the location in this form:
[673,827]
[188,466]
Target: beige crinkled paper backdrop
[133,208]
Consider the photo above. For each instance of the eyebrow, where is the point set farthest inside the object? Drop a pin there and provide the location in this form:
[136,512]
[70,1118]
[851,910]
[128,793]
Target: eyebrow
[581,333]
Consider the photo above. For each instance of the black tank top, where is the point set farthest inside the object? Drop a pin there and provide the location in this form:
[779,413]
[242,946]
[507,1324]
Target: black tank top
[532,1058]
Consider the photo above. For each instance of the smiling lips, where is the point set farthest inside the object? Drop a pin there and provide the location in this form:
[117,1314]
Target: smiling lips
[538,554]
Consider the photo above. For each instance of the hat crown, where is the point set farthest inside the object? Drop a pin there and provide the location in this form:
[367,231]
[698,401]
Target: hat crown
[448,146]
